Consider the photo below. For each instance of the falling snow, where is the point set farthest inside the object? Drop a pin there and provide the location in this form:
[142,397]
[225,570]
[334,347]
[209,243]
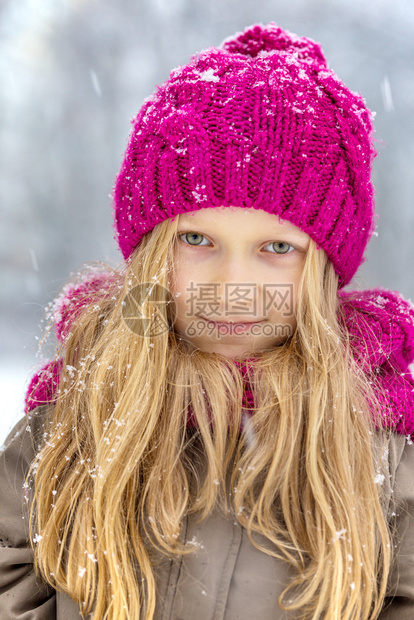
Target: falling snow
[96,84]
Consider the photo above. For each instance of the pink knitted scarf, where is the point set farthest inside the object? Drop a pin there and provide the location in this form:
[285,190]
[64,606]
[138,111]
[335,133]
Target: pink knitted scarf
[381,327]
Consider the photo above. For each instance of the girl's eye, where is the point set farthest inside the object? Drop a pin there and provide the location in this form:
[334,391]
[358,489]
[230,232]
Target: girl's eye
[193,238]
[281,247]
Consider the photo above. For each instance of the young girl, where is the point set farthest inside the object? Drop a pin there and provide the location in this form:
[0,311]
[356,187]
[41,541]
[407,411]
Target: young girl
[224,432]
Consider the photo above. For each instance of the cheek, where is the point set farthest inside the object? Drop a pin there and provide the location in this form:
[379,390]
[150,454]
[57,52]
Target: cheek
[180,307]
[179,290]
[177,284]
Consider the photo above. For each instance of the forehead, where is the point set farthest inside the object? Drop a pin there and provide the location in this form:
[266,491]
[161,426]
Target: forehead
[221,217]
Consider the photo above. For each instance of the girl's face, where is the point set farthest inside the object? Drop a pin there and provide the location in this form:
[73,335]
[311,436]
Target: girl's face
[236,274]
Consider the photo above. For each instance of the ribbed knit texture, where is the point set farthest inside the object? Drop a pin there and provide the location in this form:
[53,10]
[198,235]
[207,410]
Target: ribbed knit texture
[381,327]
[260,122]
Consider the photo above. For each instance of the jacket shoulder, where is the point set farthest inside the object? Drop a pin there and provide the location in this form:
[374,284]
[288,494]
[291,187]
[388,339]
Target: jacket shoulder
[22,594]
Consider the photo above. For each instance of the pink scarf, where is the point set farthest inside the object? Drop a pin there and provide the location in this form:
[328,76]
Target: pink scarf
[381,327]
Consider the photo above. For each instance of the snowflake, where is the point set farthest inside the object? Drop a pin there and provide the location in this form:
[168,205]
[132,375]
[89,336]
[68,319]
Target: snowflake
[208,76]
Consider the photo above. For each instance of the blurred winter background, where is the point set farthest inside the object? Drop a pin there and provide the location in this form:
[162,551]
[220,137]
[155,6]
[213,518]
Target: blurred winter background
[74,72]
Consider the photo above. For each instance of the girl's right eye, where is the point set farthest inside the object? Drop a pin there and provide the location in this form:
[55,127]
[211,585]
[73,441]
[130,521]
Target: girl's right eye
[193,238]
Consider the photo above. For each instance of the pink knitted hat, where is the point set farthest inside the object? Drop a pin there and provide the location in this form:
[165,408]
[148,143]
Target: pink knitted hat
[258,122]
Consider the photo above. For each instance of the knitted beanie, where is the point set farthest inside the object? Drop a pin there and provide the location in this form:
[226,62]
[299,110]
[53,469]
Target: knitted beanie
[259,122]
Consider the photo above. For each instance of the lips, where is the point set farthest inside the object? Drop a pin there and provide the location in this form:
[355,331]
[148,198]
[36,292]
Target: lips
[231,322]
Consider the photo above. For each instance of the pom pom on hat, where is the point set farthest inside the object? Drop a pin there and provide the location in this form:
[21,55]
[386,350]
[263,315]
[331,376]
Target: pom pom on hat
[259,40]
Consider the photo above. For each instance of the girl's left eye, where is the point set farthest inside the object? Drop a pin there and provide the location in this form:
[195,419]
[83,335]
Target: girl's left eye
[195,239]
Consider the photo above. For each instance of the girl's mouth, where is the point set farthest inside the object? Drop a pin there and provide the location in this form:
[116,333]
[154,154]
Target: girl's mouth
[241,325]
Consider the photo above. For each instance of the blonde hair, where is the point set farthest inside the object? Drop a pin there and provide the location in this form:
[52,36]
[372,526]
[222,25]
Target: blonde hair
[120,469]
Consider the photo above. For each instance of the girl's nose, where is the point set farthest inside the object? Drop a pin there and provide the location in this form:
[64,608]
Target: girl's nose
[235,269]
[238,289]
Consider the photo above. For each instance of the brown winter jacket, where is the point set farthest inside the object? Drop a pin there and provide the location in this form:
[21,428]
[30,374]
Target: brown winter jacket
[227,578]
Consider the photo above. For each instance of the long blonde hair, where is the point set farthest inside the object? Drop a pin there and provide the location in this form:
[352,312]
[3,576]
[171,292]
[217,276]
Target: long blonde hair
[117,474]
